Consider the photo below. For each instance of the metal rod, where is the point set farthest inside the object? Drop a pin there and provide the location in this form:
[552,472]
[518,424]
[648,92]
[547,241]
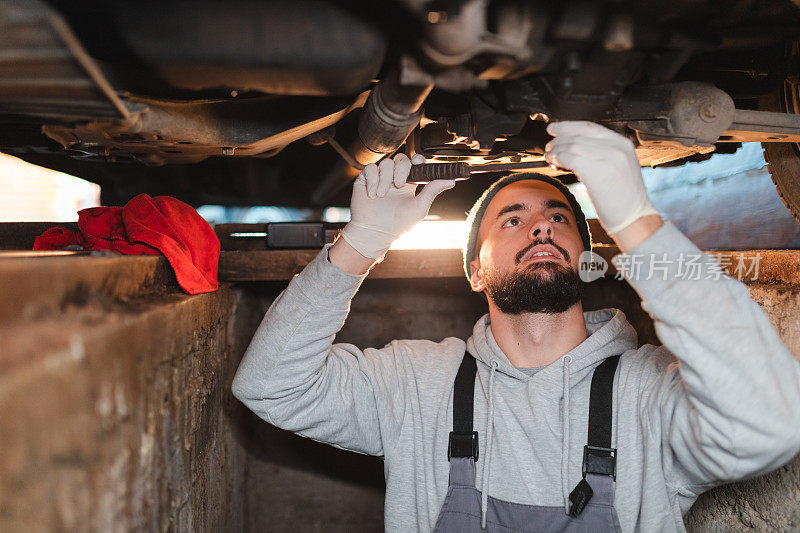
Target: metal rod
[88,64]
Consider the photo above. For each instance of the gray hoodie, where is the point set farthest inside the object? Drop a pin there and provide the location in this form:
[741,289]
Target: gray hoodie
[719,401]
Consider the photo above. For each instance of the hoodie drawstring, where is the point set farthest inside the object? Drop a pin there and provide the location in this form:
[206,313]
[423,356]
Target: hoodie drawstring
[565,434]
[487,453]
[564,443]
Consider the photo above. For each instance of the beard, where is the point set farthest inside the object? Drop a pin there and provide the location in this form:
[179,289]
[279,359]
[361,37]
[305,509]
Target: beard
[542,287]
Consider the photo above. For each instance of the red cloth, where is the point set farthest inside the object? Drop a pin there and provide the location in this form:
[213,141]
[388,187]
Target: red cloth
[57,238]
[148,226]
[103,228]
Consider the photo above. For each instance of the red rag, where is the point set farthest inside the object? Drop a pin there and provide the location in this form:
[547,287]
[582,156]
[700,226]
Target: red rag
[57,238]
[181,234]
[103,228]
[148,226]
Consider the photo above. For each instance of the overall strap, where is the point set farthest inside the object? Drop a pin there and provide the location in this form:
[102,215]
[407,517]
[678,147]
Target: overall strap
[601,399]
[463,440]
[599,458]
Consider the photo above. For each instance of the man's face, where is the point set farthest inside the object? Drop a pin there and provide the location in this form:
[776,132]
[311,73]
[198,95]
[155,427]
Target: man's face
[523,219]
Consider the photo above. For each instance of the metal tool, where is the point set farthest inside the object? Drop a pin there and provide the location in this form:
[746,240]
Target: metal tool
[461,171]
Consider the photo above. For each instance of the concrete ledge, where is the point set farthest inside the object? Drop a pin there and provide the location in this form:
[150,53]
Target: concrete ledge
[264,265]
[39,284]
[775,266]
[44,282]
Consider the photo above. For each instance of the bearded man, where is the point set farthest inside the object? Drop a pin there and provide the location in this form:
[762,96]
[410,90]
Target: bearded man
[549,417]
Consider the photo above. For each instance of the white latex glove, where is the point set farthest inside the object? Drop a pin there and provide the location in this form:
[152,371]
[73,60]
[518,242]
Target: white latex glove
[384,206]
[606,163]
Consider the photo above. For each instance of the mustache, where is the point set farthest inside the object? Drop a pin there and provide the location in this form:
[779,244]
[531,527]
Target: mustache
[528,248]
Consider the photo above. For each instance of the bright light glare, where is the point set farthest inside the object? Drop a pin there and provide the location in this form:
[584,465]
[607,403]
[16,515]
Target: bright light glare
[32,193]
[580,193]
[430,234]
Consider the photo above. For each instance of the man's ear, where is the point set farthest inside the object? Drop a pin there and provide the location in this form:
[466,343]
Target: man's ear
[476,276]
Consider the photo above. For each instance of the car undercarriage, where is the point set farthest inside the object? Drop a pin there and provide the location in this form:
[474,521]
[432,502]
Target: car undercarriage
[281,103]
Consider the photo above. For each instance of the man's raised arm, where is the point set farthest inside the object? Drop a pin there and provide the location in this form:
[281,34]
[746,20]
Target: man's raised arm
[292,375]
[731,408]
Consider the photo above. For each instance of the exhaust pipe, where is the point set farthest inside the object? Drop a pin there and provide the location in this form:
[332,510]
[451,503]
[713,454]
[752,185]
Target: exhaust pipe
[392,111]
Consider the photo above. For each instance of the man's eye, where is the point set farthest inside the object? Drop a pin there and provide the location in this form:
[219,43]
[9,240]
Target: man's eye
[561,217]
[511,220]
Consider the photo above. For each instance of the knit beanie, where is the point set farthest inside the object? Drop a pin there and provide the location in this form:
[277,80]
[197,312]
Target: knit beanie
[476,213]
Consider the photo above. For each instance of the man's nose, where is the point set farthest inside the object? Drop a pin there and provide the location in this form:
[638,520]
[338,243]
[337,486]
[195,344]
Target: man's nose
[540,228]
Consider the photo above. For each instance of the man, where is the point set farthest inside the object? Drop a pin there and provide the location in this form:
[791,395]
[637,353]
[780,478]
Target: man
[529,450]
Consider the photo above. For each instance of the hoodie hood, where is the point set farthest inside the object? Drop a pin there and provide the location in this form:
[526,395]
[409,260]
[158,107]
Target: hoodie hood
[608,334]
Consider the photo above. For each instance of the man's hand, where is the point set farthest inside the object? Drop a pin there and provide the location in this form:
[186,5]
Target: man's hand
[606,163]
[384,206]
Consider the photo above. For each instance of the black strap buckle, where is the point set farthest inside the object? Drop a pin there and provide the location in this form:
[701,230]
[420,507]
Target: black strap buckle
[463,445]
[598,460]
[579,497]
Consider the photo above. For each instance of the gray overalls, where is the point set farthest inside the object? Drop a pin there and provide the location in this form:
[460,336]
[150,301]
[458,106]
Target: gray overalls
[592,501]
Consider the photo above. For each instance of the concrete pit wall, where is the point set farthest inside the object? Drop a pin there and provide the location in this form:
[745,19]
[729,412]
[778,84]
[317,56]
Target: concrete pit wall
[116,412]
[115,404]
